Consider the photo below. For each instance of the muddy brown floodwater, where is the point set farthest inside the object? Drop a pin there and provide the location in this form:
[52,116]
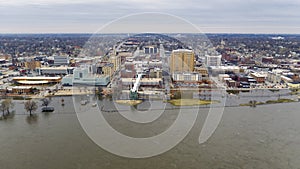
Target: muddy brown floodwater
[264,137]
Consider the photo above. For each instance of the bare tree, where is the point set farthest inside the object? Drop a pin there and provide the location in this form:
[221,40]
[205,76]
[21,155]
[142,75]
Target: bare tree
[30,106]
[46,102]
[2,108]
[9,105]
[6,106]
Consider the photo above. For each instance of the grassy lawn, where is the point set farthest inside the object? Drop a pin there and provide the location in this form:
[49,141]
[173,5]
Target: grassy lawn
[250,104]
[279,101]
[129,102]
[190,102]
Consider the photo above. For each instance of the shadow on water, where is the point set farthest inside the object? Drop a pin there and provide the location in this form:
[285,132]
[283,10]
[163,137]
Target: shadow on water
[33,119]
[8,117]
[47,114]
[144,106]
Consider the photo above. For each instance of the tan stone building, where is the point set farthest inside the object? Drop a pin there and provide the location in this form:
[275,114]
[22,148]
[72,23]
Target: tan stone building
[202,70]
[182,60]
[106,68]
[116,61]
[32,65]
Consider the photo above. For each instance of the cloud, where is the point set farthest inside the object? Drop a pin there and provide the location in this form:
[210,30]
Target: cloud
[44,15]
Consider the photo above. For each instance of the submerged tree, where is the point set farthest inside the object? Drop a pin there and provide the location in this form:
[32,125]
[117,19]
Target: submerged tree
[2,109]
[10,105]
[252,103]
[46,102]
[6,106]
[30,106]
[62,101]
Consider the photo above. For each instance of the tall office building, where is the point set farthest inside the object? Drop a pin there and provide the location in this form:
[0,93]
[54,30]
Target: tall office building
[182,60]
[105,68]
[116,60]
[213,60]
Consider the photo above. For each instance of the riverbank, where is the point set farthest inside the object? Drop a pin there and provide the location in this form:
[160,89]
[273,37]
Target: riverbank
[190,102]
[254,103]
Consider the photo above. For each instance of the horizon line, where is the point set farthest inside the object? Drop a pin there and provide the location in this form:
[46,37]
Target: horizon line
[53,33]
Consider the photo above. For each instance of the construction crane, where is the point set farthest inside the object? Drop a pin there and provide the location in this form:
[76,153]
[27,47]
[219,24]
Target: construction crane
[134,90]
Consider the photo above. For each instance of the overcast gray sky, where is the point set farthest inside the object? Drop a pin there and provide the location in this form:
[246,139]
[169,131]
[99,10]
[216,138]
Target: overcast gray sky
[80,16]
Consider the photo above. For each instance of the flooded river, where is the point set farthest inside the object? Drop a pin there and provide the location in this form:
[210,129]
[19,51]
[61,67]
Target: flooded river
[267,136]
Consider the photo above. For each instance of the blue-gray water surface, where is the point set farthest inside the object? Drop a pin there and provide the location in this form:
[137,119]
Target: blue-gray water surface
[267,136]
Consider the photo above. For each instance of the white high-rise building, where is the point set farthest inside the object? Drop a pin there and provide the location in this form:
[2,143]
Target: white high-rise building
[213,60]
[61,60]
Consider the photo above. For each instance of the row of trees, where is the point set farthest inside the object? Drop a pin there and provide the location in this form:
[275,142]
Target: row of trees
[30,106]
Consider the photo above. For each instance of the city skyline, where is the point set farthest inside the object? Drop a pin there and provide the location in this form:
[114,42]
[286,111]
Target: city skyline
[234,16]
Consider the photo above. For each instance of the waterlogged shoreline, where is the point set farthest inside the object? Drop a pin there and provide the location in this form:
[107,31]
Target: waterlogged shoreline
[254,103]
[262,137]
[109,105]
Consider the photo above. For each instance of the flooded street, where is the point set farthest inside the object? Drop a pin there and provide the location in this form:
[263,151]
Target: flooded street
[267,136]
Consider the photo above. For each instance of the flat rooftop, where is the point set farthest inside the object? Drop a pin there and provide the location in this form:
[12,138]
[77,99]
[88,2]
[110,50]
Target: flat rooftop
[57,68]
[182,50]
[22,87]
[25,82]
[142,80]
[259,75]
[36,78]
